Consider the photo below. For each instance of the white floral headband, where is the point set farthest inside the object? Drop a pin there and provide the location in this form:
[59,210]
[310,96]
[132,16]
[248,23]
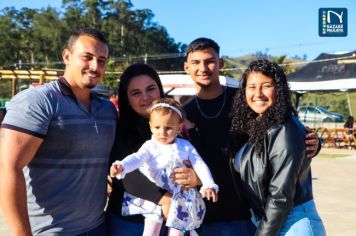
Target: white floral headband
[159,105]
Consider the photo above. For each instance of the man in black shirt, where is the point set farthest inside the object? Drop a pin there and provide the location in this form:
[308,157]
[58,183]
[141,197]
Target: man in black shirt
[208,128]
[209,113]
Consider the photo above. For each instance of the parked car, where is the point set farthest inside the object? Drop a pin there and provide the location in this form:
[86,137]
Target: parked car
[318,114]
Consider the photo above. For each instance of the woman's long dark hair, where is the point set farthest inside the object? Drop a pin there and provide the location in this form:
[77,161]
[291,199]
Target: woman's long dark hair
[132,128]
[245,120]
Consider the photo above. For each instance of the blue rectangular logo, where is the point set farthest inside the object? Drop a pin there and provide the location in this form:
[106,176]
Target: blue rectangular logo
[332,22]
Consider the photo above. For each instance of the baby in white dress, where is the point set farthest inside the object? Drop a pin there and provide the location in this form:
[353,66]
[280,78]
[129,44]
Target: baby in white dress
[156,159]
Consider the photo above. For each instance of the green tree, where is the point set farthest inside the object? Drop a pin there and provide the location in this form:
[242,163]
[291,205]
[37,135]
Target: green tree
[49,38]
[73,14]
[24,20]
[36,37]
[9,34]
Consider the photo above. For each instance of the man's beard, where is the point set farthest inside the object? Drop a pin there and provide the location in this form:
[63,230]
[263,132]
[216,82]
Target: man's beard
[90,84]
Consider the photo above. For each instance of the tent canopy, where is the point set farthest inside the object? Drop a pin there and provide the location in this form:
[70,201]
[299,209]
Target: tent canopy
[327,72]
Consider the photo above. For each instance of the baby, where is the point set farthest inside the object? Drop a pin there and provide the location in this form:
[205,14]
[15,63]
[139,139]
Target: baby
[157,158]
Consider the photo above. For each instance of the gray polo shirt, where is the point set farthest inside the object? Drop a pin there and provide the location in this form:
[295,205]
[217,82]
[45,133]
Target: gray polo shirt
[66,180]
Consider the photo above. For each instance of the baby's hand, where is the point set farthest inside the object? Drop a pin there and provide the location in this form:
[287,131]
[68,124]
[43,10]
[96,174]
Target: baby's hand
[115,169]
[210,193]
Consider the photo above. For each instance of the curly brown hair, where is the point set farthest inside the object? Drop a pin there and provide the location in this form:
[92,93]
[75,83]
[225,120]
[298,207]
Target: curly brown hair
[245,120]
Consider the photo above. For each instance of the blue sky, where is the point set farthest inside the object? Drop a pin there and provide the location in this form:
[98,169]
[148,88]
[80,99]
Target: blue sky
[278,27]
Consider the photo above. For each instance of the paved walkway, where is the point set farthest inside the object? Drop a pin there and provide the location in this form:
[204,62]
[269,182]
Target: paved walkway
[334,183]
[334,188]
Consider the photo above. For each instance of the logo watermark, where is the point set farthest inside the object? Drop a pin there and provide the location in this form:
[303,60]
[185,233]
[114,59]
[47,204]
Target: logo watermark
[332,22]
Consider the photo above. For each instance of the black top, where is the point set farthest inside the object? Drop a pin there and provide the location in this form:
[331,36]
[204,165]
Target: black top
[211,140]
[283,177]
[135,182]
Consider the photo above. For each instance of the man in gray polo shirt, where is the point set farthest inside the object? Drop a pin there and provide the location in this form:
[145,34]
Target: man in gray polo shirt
[55,143]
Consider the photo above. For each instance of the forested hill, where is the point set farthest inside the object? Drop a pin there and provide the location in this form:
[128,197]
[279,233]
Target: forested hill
[35,38]
[234,66]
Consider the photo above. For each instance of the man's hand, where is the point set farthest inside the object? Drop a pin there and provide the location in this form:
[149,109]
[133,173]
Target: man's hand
[312,143]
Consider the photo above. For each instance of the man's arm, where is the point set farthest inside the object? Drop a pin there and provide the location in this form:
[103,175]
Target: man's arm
[312,143]
[16,151]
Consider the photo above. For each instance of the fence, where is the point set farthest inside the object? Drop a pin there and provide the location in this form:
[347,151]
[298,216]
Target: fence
[39,75]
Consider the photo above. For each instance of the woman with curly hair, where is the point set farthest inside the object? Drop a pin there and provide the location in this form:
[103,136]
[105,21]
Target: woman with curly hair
[275,173]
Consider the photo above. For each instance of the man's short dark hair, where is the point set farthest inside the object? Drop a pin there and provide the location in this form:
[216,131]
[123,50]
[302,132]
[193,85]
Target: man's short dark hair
[202,44]
[93,33]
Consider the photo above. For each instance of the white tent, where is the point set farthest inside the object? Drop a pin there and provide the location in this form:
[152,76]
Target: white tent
[327,72]
[341,85]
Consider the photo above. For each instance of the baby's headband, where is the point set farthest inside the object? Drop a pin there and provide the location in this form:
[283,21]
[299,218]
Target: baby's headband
[159,105]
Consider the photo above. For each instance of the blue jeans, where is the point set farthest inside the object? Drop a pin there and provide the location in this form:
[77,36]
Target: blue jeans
[303,220]
[101,230]
[231,228]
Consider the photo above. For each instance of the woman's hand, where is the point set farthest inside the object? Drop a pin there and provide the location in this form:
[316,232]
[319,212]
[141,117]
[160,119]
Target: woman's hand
[185,176]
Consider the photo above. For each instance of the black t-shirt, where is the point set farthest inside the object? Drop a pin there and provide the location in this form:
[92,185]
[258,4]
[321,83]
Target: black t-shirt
[211,140]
